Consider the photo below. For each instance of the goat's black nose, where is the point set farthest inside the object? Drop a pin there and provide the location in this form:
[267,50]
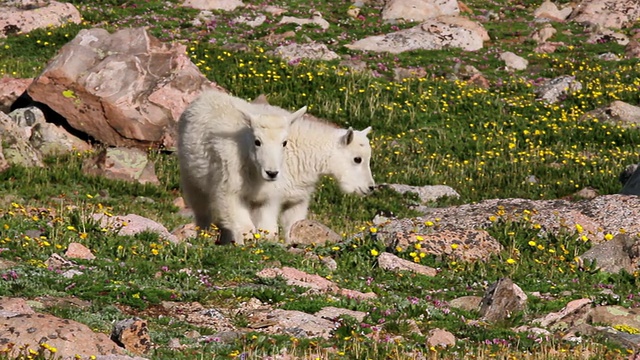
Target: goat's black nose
[272,174]
[371,187]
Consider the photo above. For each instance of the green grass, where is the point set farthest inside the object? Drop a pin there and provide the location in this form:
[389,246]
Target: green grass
[431,130]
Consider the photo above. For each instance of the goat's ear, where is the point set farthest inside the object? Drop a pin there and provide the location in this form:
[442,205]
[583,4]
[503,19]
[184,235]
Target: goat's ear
[261,100]
[366,131]
[348,137]
[298,114]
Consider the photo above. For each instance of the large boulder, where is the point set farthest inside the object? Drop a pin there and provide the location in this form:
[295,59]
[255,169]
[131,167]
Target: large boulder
[616,113]
[25,16]
[22,326]
[419,10]
[606,214]
[616,14]
[433,34]
[549,10]
[226,5]
[122,89]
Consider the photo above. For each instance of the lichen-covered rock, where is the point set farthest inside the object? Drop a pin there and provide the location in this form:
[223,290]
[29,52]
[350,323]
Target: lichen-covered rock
[123,89]
[26,16]
[433,34]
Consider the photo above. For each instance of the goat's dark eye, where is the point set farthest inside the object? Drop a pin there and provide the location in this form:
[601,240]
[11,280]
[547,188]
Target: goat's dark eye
[357,160]
[257,142]
[284,143]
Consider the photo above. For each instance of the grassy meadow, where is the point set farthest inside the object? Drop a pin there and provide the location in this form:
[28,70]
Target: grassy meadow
[431,130]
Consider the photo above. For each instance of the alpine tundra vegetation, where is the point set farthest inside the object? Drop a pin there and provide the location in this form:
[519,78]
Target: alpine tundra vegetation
[525,158]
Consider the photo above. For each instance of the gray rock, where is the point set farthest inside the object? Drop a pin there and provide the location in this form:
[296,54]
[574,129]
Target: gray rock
[418,10]
[70,338]
[460,244]
[47,138]
[630,178]
[133,335]
[125,88]
[613,255]
[388,261]
[613,315]
[433,34]
[599,216]
[226,5]
[513,61]
[43,14]
[615,14]
[501,300]
[309,325]
[606,35]
[307,232]
[427,193]
[617,113]
[549,10]
[441,338]
[332,313]
[296,52]
[553,90]
[573,314]
[16,148]
[316,19]
[132,224]
[10,90]
[120,163]
[626,340]
[468,303]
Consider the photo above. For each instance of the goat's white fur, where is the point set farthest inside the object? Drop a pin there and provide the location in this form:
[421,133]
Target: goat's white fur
[228,151]
[315,149]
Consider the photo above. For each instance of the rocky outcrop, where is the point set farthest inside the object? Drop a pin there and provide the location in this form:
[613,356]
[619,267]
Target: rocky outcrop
[226,5]
[616,14]
[26,16]
[122,89]
[426,193]
[616,113]
[419,10]
[22,326]
[295,52]
[433,34]
[597,217]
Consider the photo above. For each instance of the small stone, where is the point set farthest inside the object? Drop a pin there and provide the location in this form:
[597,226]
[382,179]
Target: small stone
[79,251]
[441,338]
[133,335]
[307,232]
[389,261]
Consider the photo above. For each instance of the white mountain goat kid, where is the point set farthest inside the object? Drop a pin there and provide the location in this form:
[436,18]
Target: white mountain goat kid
[316,148]
[228,149]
